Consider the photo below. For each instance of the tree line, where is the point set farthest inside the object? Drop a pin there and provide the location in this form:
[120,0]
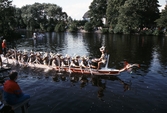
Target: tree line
[122,16]
[44,17]
[129,16]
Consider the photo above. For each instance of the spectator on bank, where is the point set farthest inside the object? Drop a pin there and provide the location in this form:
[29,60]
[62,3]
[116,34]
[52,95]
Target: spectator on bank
[3,107]
[34,38]
[4,47]
[12,92]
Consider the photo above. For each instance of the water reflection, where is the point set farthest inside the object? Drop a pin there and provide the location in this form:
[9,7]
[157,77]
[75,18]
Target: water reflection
[96,81]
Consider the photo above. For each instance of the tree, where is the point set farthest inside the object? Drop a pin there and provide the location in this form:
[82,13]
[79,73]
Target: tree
[148,8]
[112,11]
[129,19]
[97,11]
[132,14]
[73,27]
[60,27]
[88,27]
[42,16]
[7,20]
[162,21]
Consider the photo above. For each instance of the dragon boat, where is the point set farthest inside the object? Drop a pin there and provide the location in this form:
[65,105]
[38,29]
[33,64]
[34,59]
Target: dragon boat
[54,62]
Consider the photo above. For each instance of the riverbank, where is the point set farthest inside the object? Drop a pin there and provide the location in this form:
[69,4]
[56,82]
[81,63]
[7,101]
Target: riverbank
[143,33]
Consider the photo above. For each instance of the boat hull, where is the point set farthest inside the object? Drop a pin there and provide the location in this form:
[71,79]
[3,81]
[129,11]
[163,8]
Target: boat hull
[88,71]
[91,71]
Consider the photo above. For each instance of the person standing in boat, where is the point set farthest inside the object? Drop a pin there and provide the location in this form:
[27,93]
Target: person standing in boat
[35,38]
[102,59]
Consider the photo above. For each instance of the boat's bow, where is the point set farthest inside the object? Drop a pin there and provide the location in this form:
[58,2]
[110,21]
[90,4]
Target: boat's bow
[128,66]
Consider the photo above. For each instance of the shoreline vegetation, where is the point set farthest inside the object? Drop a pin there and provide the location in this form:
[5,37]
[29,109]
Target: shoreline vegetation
[103,16]
[145,32]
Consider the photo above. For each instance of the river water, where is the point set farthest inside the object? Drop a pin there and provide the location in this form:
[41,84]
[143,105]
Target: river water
[140,90]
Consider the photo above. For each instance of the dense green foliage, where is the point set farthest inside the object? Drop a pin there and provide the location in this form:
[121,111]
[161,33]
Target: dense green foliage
[112,11]
[162,21]
[126,16]
[113,16]
[97,12]
[42,16]
[7,18]
[75,25]
[129,16]
[88,27]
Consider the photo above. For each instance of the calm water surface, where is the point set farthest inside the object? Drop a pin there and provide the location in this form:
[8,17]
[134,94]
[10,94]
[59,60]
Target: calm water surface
[141,90]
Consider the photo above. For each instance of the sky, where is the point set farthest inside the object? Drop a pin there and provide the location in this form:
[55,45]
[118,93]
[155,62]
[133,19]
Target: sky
[74,8]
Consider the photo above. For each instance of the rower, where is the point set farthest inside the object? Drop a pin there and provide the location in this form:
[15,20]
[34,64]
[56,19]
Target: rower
[75,61]
[65,61]
[38,58]
[45,58]
[32,57]
[56,61]
[25,57]
[19,55]
[84,63]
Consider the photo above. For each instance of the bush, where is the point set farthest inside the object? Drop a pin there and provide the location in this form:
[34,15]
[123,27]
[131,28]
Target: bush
[111,30]
[50,28]
[60,27]
[73,28]
[156,32]
[126,30]
[146,32]
[118,29]
[104,30]
[149,32]
[88,27]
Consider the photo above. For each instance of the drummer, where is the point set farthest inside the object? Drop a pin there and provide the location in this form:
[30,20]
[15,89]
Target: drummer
[102,59]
